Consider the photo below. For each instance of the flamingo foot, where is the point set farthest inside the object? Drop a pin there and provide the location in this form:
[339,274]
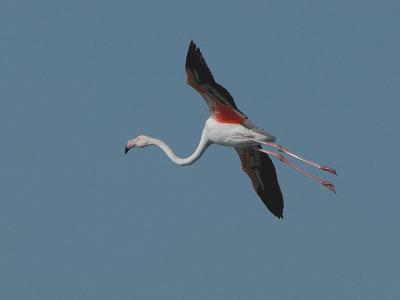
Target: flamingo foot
[328,169]
[329,185]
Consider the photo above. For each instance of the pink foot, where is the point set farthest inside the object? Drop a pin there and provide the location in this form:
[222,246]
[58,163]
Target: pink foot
[329,185]
[328,169]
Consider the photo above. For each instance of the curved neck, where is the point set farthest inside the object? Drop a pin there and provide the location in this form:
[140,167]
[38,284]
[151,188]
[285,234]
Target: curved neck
[202,146]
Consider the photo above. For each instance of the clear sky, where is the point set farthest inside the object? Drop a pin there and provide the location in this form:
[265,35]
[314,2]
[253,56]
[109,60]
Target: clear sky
[81,220]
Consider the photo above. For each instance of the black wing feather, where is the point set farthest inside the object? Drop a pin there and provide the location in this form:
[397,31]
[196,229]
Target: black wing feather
[261,170]
[196,64]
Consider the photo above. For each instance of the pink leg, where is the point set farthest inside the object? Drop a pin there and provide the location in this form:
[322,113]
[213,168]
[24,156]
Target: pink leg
[284,150]
[283,159]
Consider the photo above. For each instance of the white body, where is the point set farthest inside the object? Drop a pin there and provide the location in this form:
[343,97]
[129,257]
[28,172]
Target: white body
[231,135]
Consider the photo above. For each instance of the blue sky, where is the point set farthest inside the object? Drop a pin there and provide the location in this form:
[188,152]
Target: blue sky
[80,220]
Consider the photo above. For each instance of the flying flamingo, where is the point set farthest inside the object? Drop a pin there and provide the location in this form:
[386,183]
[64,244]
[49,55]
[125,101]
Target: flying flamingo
[228,126]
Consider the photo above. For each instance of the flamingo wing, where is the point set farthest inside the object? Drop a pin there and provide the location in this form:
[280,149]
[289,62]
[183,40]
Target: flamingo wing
[220,103]
[259,167]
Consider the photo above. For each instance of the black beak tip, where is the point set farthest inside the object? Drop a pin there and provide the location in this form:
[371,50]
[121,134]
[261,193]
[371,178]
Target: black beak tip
[126,149]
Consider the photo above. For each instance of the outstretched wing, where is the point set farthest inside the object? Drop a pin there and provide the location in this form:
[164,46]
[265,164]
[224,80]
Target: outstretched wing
[259,167]
[220,103]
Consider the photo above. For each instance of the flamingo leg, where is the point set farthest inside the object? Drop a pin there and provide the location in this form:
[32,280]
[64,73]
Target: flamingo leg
[280,148]
[329,185]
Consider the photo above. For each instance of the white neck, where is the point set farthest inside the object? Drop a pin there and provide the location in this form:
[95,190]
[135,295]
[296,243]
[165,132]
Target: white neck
[202,146]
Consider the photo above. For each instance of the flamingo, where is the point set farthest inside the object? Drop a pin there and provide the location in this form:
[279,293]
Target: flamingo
[228,126]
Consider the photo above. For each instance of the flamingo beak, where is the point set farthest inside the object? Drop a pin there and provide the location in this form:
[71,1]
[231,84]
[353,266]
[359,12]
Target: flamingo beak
[129,146]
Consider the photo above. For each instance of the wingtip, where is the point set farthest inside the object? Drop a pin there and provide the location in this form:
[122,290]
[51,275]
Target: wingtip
[196,62]
[192,47]
[279,215]
[190,52]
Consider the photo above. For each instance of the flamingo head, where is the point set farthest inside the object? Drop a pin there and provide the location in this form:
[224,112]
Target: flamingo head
[139,141]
